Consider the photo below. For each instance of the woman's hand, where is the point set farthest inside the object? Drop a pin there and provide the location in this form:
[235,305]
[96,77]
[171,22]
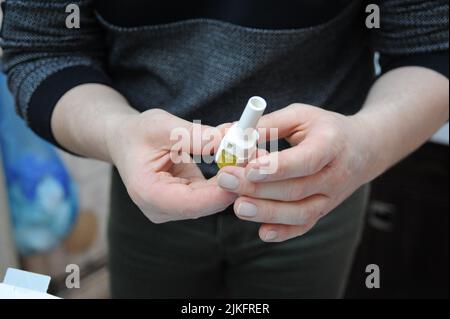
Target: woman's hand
[331,156]
[140,146]
[96,121]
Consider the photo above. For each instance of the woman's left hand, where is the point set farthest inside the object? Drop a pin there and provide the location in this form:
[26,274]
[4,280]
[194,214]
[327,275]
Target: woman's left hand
[331,156]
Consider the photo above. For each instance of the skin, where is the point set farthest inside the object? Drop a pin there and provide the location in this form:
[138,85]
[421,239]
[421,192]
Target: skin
[95,121]
[332,155]
[403,109]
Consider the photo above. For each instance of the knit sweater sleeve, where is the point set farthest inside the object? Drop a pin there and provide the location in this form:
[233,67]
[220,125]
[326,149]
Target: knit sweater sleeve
[412,32]
[43,58]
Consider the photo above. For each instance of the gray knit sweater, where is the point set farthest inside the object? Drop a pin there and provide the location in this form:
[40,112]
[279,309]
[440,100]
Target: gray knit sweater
[206,69]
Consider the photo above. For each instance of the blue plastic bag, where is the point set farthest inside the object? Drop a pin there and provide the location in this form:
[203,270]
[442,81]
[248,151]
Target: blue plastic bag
[42,197]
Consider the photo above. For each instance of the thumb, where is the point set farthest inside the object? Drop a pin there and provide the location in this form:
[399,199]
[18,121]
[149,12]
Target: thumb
[194,137]
[286,121]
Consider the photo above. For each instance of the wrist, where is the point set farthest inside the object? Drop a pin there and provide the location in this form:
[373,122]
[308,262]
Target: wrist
[372,146]
[115,133]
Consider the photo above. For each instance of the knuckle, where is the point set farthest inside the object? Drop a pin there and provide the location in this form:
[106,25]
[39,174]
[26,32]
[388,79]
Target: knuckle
[304,217]
[290,218]
[331,134]
[155,113]
[281,166]
[308,214]
[311,161]
[252,188]
[270,213]
[293,191]
[316,210]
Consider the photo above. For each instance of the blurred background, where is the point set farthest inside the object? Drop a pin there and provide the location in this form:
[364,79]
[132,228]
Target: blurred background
[54,206]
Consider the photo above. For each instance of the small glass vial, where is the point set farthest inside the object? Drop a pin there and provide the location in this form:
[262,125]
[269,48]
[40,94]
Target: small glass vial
[240,141]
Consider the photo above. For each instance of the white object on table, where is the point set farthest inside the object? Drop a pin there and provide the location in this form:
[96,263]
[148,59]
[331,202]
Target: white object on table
[13,292]
[19,284]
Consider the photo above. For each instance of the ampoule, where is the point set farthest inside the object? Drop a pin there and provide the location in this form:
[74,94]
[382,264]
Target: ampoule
[240,141]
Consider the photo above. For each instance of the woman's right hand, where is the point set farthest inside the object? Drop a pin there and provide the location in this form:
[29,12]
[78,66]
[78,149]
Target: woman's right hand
[140,146]
[96,121]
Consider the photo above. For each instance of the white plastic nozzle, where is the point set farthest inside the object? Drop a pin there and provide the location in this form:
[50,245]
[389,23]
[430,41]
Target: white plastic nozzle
[252,112]
[241,139]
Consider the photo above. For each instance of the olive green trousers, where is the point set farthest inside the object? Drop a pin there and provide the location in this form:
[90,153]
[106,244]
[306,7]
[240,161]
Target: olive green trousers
[220,256]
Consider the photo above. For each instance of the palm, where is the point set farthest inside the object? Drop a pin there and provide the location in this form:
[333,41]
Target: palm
[164,190]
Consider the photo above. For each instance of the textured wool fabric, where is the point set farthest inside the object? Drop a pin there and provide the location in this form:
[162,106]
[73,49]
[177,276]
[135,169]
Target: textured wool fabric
[412,26]
[206,69]
[36,45]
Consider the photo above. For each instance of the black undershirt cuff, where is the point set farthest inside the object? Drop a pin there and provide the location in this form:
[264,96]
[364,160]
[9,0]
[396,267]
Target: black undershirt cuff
[48,93]
[437,61]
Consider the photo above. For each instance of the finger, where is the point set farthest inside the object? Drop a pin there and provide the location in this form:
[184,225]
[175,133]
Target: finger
[286,120]
[301,212]
[188,201]
[193,138]
[233,179]
[223,128]
[279,233]
[259,153]
[189,171]
[301,160]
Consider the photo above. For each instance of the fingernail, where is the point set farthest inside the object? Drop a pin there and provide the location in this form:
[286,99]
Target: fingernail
[228,181]
[255,175]
[247,209]
[271,235]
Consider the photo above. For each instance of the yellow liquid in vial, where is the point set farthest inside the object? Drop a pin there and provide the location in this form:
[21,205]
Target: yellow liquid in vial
[226,159]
